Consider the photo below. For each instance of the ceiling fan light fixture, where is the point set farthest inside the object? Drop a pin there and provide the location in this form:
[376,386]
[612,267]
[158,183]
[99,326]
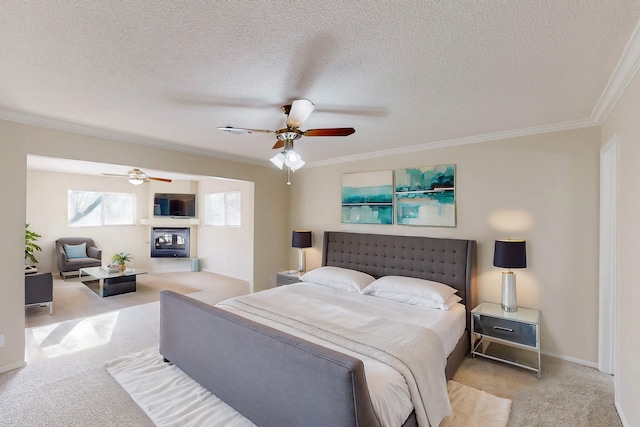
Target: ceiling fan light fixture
[136,181]
[299,165]
[293,159]
[278,160]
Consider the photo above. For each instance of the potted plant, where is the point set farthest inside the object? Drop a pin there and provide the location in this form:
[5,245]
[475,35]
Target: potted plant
[30,247]
[120,259]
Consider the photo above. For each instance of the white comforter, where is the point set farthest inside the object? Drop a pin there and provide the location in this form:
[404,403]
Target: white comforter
[311,303]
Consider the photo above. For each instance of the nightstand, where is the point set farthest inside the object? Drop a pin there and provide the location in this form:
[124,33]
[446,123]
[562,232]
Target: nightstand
[288,277]
[513,338]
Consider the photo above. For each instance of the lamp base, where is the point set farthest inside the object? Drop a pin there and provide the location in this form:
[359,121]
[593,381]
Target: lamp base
[302,264]
[509,303]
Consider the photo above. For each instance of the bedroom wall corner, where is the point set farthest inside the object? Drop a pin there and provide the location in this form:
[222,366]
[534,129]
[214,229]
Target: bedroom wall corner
[623,121]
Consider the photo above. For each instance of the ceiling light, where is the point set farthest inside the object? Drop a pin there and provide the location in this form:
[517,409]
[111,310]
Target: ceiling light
[298,166]
[135,181]
[293,159]
[278,160]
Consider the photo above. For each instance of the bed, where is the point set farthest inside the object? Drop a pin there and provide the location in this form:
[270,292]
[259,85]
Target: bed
[277,377]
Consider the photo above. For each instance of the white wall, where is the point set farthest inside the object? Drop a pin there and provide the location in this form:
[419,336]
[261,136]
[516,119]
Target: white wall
[623,121]
[541,188]
[271,231]
[227,250]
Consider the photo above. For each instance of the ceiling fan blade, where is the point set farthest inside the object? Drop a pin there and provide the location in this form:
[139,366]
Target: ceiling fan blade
[116,175]
[278,144]
[238,131]
[151,178]
[300,110]
[329,132]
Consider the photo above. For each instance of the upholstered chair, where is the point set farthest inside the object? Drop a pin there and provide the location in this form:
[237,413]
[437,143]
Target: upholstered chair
[74,253]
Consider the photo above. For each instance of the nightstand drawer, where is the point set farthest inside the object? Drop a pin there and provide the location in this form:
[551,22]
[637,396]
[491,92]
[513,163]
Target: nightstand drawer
[510,330]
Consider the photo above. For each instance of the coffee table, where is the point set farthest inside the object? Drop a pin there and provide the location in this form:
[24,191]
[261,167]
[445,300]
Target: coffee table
[106,284]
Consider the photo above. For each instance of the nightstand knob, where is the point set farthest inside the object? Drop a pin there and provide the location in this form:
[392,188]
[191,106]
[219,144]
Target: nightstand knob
[500,328]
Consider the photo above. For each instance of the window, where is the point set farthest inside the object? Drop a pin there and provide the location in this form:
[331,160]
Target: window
[223,209]
[90,208]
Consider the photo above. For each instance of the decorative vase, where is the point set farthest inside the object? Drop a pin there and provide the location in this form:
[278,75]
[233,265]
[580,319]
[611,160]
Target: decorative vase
[122,267]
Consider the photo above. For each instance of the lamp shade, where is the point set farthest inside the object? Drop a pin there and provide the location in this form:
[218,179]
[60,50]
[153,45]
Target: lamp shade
[510,254]
[301,239]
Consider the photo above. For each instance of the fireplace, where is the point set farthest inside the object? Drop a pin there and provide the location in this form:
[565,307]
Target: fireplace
[170,242]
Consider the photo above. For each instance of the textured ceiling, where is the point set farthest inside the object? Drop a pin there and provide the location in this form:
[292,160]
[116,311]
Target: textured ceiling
[402,73]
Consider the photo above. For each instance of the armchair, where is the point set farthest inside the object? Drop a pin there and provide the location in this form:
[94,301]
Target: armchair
[69,265]
[38,290]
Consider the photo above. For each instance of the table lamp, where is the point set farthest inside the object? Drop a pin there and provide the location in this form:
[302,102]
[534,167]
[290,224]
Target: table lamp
[509,254]
[301,239]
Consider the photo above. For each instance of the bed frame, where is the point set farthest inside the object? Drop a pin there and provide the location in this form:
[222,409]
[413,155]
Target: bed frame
[276,379]
[448,261]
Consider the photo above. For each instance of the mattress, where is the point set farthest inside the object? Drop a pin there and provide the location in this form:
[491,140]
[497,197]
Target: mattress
[309,301]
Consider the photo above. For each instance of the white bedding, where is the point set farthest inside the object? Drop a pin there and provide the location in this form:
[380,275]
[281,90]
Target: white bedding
[387,387]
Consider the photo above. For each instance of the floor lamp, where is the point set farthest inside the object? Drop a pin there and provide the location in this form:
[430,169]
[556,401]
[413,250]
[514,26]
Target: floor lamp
[509,254]
[301,239]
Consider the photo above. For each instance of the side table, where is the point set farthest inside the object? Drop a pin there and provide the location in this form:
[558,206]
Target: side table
[288,277]
[509,337]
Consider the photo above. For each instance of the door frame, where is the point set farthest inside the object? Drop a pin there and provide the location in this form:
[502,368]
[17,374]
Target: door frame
[609,163]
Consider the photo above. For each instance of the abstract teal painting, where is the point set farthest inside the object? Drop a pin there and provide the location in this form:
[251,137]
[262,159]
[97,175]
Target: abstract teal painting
[426,196]
[367,198]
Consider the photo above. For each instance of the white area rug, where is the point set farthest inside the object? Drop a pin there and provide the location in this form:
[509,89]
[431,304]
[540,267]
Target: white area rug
[170,398]
[475,408]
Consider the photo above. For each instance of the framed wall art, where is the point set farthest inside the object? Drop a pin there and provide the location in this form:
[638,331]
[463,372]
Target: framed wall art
[367,198]
[426,196]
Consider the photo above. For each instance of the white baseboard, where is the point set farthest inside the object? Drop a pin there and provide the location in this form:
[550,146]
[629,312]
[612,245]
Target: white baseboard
[571,359]
[621,415]
[12,367]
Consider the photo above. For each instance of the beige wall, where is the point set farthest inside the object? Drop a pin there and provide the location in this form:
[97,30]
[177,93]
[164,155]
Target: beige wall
[47,215]
[228,250]
[13,177]
[623,121]
[271,229]
[542,188]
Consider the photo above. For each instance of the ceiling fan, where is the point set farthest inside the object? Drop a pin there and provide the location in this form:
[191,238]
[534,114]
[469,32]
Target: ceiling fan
[137,177]
[296,113]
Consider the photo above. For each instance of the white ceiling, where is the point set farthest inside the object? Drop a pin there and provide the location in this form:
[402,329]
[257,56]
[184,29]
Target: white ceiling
[404,74]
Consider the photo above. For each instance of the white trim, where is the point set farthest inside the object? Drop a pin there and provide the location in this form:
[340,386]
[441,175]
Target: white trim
[621,414]
[620,78]
[608,255]
[569,359]
[12,367]
[576,124]
[63,126]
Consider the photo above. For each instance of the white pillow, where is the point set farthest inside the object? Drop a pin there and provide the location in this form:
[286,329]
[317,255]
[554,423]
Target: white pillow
[419,301]
[436,291]
[339,278]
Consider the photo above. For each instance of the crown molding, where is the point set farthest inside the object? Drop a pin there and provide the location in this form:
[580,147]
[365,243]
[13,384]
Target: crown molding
[576,124]
[620,78]
[63,126]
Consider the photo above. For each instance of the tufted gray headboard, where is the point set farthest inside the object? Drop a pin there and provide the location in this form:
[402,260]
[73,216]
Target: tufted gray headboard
[448,261]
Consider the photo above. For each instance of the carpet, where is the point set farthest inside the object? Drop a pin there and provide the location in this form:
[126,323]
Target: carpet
[171,398]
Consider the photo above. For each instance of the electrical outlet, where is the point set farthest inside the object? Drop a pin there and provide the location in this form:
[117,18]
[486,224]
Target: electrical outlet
[1,340]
